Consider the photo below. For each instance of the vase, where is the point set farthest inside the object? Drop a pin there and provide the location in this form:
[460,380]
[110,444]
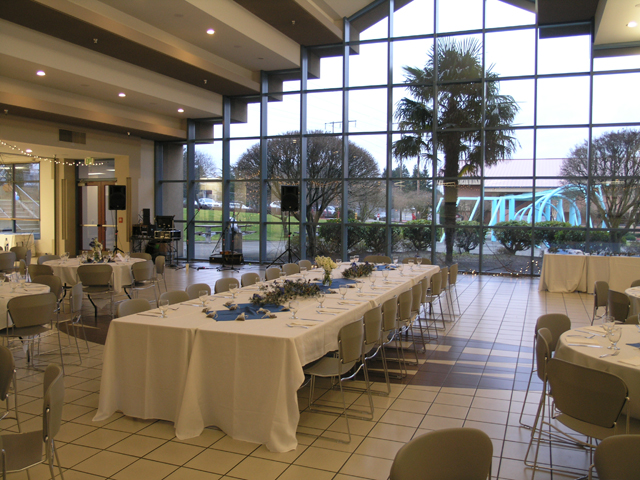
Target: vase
[326,280]
[97,256]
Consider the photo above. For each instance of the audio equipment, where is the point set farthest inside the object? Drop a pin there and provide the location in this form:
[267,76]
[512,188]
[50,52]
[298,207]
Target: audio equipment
[146,216]
[117,197]
[289,198]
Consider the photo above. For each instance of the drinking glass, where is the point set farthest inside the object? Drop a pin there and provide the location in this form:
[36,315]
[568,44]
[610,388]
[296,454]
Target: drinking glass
[203,295]
[2,277]
[359,285]
[351,259]
[401,269]
[321,298]
[607,323]
[233,289]
[356,258]
[12,283]
[614,337]
[22,280]
[164,306]
[419,260]
[303,271]
[343,290]
[293,306]
[373,279]
[385,275]
[410,263]
[127,257]
[395,260]
[338,261]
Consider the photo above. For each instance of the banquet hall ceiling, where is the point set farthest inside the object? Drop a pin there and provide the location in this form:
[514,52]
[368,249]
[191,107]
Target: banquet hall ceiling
[158,54]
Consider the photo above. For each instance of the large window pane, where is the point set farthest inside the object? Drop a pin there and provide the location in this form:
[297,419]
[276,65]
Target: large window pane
[459,15]
[367,200]
[245,159]
[612,101]
[511,53]
[369,66]
[367,155]
[324,200]
[410,53]
[564,54]
[502,14]
[250,128]
[563,101]
[283,157]
[284,116]
[414,18]
[209,160]
[324,112]
[330,73]
[622,62]
[558,142]
[523,94]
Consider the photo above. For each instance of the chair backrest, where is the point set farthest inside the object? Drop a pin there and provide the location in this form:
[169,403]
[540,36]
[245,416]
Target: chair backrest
[46,258]
[21,252]
[194,290]
[426,261]
[305,263]
[444,273]
[588,395]
[145,256]
[272,273]
[436,284]
[405,300]
[543,351]
[22,267]
[557,323]
[174,296]
[53,386]
[290,268]
[143,271]
[135,305]
[453,274]
[160,261]
[389,314]
[635,283]
[77,296]
[250,278]
[617,458]
[372,325]
[7,367]
[619,305]
[222,284]
[447,454]
[632,320]
[426,282]
[96,275]
[32,310]
[37,270]
[601,293]
[406,260]
[416,298]
[377,259]
[54,283]
[350,341]
[7,261]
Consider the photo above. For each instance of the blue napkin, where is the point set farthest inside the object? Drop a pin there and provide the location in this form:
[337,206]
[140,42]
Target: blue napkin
[379,268]
[637,345]
[335,284]
[250,312]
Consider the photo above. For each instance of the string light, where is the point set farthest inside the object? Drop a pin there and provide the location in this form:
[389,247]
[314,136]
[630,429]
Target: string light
[38,158]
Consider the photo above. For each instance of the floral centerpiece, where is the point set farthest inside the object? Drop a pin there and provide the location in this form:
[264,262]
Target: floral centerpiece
[357,271]
[97,249]
[279,293]
[327,264]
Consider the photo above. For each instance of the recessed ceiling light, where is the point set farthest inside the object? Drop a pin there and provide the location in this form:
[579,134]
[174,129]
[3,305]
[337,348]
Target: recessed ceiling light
[181,110]
[122,94]
[632,24]
[211,31]
[28,150]
[40,73]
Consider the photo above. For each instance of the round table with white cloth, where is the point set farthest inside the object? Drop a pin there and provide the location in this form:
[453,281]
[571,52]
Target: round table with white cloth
[7,294]
[68,271]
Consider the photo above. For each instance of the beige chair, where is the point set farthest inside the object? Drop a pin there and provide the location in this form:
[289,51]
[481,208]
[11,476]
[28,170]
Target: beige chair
[31,316]
[618,305]
[7,262]
[406,260]
[435,293]
[290,269]
[36,270]
[345,366]
[453,280]
[272,273]
[133,306]
[223,284]
[425,304]
[556,324]
[175,296]
[444,273]
[250,278]
[600,299]
[55,286]
[46,258]
[143,255]
[389,329]
[373,343]
[416,303]
[635,283]
[403,324]
[76,322]
[194,290]
[7,379]
[21,253]
[377,259]
[22,451]
[616,458]
[306,264]
[97,282]
[446,454]
[160,262]
[144,276]
[586,401]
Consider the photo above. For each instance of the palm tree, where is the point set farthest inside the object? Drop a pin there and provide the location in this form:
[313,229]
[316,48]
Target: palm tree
[465,125]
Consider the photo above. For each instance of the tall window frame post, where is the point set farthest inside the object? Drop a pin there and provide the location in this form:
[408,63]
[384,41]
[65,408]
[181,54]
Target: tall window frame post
[304,73]
[191,194]
[389,159]
[264,89]
[344,210]
[226,169]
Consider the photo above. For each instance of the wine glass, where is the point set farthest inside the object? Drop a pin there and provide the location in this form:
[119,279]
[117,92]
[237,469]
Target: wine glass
[303,272]
[614,337]
[233,289]
[321,298]
[22,280]
[356,258]
[385,275]
[12,283]
[419,260]
[373,279]
[359,285]
[164,306]
[351,257]
[338,261]
[203,295]
[127,257]
[343,290]
[395,260]
[401,269]
[293,306]
[410,263]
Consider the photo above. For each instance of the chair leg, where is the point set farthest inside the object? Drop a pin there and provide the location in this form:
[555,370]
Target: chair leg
[95,309]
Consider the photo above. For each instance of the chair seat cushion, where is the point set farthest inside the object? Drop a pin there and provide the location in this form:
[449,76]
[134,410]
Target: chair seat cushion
[26,331]
[96,289]
[23,449]
[590,430]
[328,367]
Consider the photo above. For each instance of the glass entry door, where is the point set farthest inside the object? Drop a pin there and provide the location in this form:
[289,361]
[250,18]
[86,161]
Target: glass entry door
[96,220]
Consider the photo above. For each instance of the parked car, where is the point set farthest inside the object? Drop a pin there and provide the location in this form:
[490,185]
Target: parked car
[329,212]
[238,206]
[205,203]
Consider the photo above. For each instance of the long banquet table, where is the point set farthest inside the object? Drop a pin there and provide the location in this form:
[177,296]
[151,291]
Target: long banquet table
[570,273]
[242,377]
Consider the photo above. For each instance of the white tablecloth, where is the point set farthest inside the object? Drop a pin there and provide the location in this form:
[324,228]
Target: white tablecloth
[68,272]
[240,376]
[571,273]
[590,357]
[6,294]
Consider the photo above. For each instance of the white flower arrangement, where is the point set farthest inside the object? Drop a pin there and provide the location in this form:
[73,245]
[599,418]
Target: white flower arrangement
[326,263]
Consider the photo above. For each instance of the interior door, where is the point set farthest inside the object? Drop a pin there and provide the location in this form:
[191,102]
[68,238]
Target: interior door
[96,220]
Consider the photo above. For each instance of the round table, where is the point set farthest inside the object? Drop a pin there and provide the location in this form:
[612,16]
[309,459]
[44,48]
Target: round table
[6,294]
[634,296]
[618,365]
[68,271]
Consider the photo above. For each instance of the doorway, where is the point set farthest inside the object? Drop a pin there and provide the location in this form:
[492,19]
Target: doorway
[96,220]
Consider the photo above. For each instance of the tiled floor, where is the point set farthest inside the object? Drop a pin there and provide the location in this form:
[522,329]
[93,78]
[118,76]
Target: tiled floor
[474,376]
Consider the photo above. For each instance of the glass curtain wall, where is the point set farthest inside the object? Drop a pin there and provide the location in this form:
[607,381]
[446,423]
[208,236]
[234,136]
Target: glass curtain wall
[450,129]
[20,198]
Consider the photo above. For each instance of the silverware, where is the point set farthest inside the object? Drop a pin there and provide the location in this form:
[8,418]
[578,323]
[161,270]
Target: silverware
[583,345]
[150,315]
[336,308]
[610,354]
[581,336]
[294,326]
[591,333]
[312,319]
[325,313]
